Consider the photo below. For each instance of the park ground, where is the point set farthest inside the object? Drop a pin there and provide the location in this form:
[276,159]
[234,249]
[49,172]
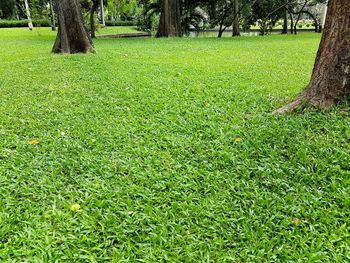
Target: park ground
[165,150]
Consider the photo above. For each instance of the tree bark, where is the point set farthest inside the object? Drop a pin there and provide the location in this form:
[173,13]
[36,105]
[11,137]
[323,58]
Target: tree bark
[72,36]
[285,21]
[29,17]
[52,13]
[94,6]
[235,25]
[330,81]
[323,16]
[170,19]
[102,13]
[291,22]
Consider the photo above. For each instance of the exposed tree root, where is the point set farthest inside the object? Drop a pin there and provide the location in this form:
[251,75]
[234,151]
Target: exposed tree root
[304,99]
[291,106]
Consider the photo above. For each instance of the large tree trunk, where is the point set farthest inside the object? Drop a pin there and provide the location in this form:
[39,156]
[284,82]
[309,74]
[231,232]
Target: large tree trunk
[29,17]
[330,81]
[170,19]
[72,36]
[235,25]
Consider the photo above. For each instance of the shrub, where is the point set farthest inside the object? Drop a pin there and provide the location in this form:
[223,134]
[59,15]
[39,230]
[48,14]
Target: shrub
[120,23]
[24,23]
[147,23]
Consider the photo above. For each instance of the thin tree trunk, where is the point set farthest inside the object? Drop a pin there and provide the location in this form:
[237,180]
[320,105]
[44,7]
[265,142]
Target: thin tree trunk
[285,21]
[94,7]
[235,24]
[323,17]
[330,81]
[102,14]
[299,16]
[72,36]
[170,19]
[29,17]
[52,13]
[221,30]
[16,11]
[291,23]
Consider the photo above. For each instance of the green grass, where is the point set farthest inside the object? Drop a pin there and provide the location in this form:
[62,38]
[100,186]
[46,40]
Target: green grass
[117,30]
[143,136]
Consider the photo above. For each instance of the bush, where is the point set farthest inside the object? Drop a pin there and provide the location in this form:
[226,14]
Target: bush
[47,23]
[147,23]
[24,23]
[120,23]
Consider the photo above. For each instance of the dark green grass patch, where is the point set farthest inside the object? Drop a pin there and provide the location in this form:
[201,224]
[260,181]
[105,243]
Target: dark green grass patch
[170,149]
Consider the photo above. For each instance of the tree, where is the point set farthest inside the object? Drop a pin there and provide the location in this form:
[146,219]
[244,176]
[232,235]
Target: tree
[285,19]
[30,23]
[235,24]
[323,15]
[7,8]
[102,10]
[170,19]
[266,13]
[330,81]
[52,14]
[72,36]
[94,7]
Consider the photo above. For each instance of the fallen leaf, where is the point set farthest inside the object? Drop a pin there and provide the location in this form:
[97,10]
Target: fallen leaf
[297,221]
[238,139]
[75,207]
[33,141]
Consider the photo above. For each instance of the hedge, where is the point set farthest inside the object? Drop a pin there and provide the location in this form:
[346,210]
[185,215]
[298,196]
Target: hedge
[24,23]
[120,23]
[47,23]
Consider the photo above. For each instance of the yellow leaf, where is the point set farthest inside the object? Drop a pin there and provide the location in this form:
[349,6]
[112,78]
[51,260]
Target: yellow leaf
[33,141]
[75,207]
[297,220]
[238,139]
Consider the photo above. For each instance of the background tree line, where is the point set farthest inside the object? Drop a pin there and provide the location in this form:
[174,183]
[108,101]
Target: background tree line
[180,17]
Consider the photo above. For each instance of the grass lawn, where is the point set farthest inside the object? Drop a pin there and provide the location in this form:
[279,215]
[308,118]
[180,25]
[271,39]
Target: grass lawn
[117,30]
[170,149]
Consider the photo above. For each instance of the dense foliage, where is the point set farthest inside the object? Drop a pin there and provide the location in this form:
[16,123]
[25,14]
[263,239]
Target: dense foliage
[195,14]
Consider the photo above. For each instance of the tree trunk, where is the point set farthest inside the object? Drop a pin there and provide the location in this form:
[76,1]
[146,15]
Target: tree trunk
[221,30]
[103,22]
[72,36]
[330,81]
[291,23]
[285,21]
[52,13]
[235,25]
[323,17]
[170,19]
[29,17]
[94,6]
